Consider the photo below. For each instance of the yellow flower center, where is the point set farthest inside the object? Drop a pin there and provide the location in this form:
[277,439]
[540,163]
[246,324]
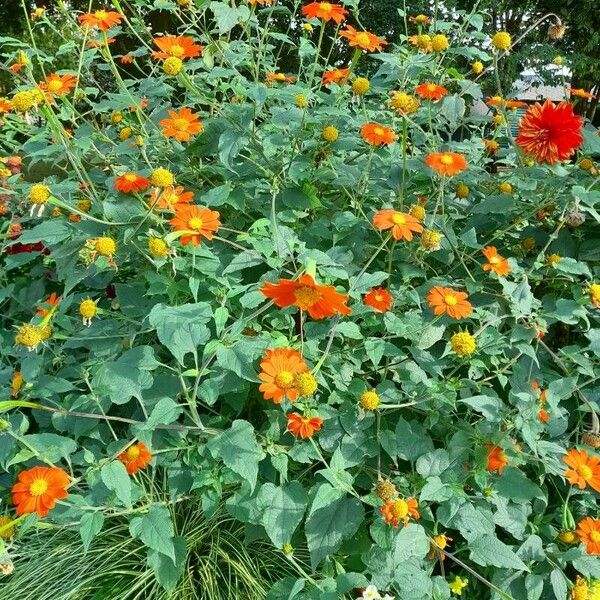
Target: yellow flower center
[446,159]
[306,296]
[326,6]
[378,297]
[280,76]
[495,260]
[38,487]
[398,219]
[100,14]
[131,177]
[54,85]
[177,50]
[585,472]
[451,300]
[195,223]
[180,124]
[441,541]
[431,87]
[284,379]
[378,131]
[400,508]
[133,452]
[363,39]
[595,537]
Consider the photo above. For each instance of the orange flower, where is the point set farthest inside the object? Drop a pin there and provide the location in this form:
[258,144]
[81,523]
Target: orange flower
[436,549]
[16,384]
[38,489]
[101,19]
[446,163]
[581,93]
[397,510]
[447,301]
[325,11]
[197,222]
[496,262]
[5,105]
[543,415]
[130,182]
[496,459]
[51,301]
[377,135]
[100,43]
[402,224]
[363,39]
[126,59]
[136,457]
[278,370]
[279,78]
[379,299]
[585,470]
[335,76]
[431,91]
[588,530]
[57,85]
[179,46]
[304,427]
[170,197]
[320,301]
[182,124]
[513,104]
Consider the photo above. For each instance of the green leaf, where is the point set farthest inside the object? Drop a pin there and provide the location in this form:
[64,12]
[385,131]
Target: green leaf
[238,449]
[227,17]
[489,406]
[181,328]
[283,508]
[115,478]
[51,446]
[164,412]
[89,526]
[49,231]
[514,484]
[155,529]
[167,571]
[487,550]
[334,517]
[559,586]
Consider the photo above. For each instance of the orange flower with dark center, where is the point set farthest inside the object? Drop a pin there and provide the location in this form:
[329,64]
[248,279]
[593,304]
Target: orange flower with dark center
[38,489]
[431,91]
[446,301]
[379,299]
[402,224]
[303,427]
[550,132]
[581,93]
[377,135]
[181,124]
[320,301]
[363,39]
[400,509]
[272,77]
[197,222]
[101,19]
[136,457]
[446,163]
[50,302]
[57,85]
[170,197]
[496,262]
[131,182]
[496,459]
[584,471]
[179,46]
[278,370]
[335,76]
[588,530]
[326,11]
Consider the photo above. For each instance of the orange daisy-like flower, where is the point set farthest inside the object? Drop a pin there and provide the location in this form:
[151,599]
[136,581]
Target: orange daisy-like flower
[278,370]
[57,85]
[171,197]
[377,135]
[272,77]
[496,262]
[446,163]
[50,302]
[136,457]
[182,124]
[550,132]
[581,93]
[496,459]
[446,301]
[320,301]
[363,39]
[379,299]
[326,11]
[431,91]
[38,489]
[303,427]
[400,509]
[5,105]
[585,470]
[588,530]
[101,19]
[335,76]
[197,222]
[179,46]
[402,224]
[131,182]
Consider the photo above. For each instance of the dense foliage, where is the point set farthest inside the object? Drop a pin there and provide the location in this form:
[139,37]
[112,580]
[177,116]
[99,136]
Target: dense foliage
[334,309]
